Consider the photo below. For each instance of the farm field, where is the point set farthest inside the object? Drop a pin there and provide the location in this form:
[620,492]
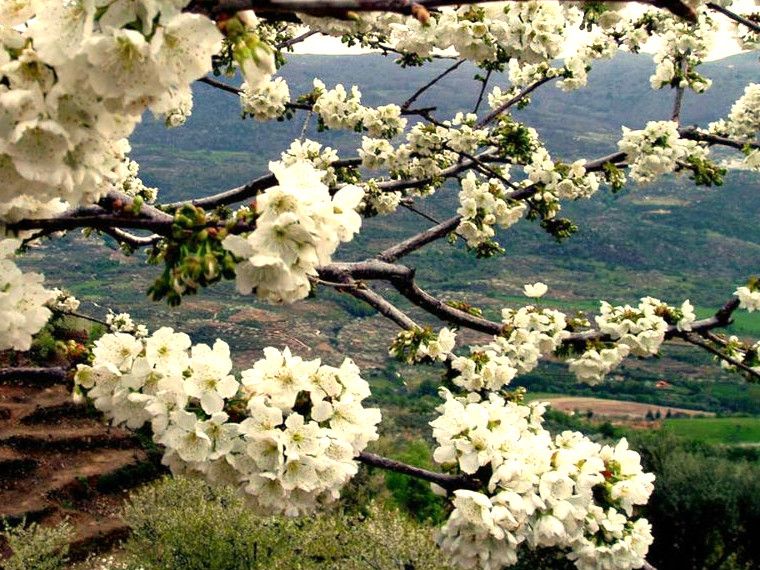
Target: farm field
[717,430]
[617,409]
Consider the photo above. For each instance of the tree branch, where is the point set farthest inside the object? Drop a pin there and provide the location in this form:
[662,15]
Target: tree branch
[296,40]
[516,99]
[414,243]
[734,16]
[339,8]
[384,307]
[131,239]
[448,482]
[300,106]
[98,222]
[428,85]
[220,85]
[482,91]
[35,375]
[249,190]
[680,89]
[694,134]
[697,341]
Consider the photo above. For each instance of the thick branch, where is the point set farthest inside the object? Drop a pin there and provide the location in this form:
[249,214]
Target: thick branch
[339,8]
[98,222]
[694,134]
[420,240]
[680,90]
[384,307]
[734,16]
[34,375]
[448,482]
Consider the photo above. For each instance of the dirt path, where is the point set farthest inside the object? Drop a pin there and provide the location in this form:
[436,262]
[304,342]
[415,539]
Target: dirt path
[617,408]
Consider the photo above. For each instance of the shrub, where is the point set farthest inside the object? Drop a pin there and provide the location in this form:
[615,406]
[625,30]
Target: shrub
[183,524]
[36,547]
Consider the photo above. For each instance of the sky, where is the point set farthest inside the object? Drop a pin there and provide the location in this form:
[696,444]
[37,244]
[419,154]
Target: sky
[725,45]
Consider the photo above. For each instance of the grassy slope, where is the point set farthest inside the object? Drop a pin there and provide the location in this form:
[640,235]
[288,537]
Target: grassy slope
[670,240]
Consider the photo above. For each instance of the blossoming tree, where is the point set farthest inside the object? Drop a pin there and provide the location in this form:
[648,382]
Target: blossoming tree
[76,77]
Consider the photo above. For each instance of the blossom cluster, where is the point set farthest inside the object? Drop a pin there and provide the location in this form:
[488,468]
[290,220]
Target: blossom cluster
[63,301]
[636,330]
[566,492]
[286,433]
[483,205]
[298,227]
[561,181]
[429,149]
[529,334]
[419,345]
[749,299]
[23,300]
[126,177]
[530,31]
[312,152]
[122,322]
[75,81]
[657,150]
[683,46]
[265,102]
[338,109]
[744,117]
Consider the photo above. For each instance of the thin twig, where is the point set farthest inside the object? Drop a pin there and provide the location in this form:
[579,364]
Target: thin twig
[219,85]
[297,39]
[482,90]
[516,99]
[428,85]
[249,190]
[697,341]
[420,213]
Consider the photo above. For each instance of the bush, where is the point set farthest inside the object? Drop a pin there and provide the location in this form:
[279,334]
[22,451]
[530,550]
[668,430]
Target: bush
[183,524]
[36,547]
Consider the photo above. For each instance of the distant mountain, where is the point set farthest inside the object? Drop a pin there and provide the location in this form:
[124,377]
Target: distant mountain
[688,241]
[670,239]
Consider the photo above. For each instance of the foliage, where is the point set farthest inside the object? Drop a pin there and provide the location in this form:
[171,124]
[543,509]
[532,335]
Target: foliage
[35,547]
[179,524]
[412,495]
[705,506]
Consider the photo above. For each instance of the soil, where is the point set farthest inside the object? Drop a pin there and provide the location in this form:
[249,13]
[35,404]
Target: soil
[617,409]
[59,461]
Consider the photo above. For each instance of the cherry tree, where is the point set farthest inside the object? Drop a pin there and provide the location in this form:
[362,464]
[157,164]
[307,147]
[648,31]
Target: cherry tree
[76,77]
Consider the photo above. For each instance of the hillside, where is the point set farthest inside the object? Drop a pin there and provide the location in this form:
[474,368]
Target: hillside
[670,240]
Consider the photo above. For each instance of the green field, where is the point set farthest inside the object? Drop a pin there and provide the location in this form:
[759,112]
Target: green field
[716,430]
